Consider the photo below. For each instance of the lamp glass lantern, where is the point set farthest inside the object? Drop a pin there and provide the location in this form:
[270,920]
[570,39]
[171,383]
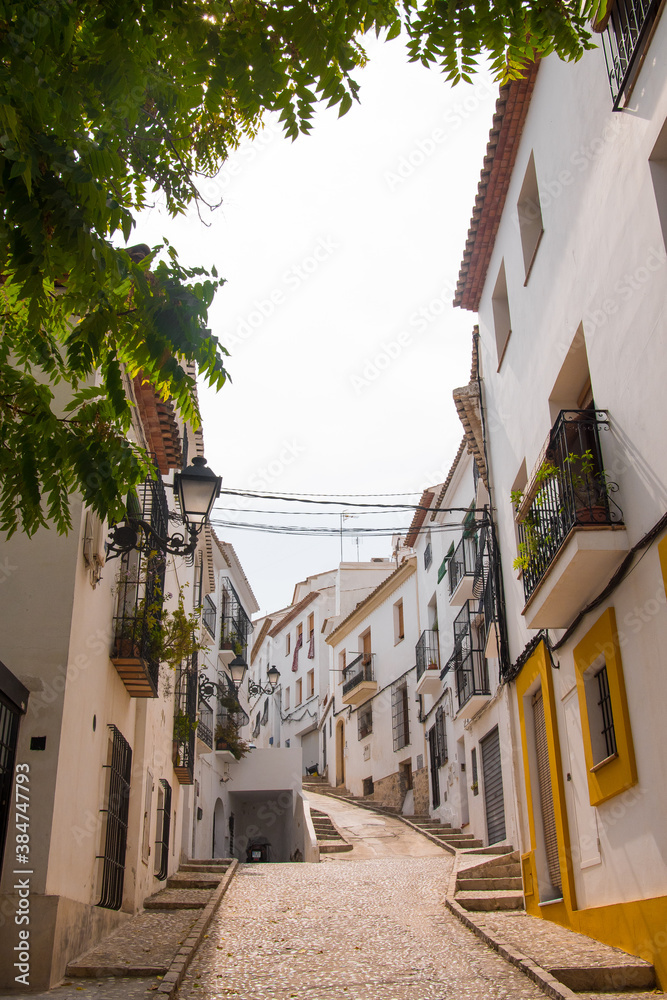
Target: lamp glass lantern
[197,487]
[237,669]
[273,675]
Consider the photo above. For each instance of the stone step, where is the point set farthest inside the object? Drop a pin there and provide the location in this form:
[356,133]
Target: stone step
[143,946]
[178,899]
[333,846]
[488,884]
[194,880]
[492,850]
[461,844]
[620,977]
[493,900]
[217,865]
[437,828]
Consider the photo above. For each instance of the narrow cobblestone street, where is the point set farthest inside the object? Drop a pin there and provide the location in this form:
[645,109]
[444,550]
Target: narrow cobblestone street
[367,925]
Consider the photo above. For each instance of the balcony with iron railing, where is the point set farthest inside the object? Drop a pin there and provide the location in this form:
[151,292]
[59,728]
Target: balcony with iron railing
[140,598]
[625,40]
[427,653]
[359,679]
[235,625]
[205,726]
[208,616]
[571,534]
[461,571]
[467,662]
[185,721]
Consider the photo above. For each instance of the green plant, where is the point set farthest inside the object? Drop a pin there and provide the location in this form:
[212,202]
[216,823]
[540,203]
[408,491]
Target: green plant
[227,733]
[184,726]
[145,627]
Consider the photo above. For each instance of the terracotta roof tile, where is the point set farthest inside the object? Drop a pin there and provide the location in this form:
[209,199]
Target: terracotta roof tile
[419,517]
[508,121]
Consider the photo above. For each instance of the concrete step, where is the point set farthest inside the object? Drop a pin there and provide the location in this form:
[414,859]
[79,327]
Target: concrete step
[490,900]
[464,884]
[437,828]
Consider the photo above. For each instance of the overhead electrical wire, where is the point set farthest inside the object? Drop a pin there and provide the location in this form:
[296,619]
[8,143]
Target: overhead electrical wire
[343,503]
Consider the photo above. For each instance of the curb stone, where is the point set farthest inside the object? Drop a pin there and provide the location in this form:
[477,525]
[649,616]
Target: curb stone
[179,965]
[543,979]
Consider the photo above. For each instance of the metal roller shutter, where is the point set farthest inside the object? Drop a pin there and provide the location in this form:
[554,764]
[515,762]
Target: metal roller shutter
[546,795]
[494,801]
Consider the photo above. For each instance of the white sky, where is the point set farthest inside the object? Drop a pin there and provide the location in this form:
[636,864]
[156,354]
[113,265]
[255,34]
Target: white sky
[333,247]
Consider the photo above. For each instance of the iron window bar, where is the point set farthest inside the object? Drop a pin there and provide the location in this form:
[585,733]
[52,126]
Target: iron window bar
[117,810]
[433,754]
[400,715]
[360,669]
[10,715]
[608,730]
[265,713]
[428,556]
[365,723]
[577,494]
[623,41]
[427,651]
[163,829]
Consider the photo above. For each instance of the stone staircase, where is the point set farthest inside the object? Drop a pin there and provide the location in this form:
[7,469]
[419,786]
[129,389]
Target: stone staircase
[495,884]
[145,945]
[445,833]
[329,838]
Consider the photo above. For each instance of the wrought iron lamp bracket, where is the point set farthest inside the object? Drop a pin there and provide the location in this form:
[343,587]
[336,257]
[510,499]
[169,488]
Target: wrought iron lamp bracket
[124,537]
[257,689]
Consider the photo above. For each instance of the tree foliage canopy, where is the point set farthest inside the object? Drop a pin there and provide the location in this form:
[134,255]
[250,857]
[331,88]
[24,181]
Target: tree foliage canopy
[105,104]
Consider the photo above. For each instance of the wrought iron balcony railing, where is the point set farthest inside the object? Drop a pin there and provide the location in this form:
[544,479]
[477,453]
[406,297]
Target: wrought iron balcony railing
[185,721]
[360,669]
[205,726]
[467,660]
[624,40]
[140,598]
[571,490]
[208,616]
[235,626]
[427,652]
[462,562]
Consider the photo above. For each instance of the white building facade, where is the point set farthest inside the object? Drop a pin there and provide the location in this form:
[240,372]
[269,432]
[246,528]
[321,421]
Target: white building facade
[565,265]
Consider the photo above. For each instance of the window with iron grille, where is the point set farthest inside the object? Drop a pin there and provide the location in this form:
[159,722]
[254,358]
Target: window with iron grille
[368,787]
[162,830]
[608,731]
[475,777]
[441,737]
[13,702]
[365,722]
[265,713]
[119,771]
[428,556]
[400,718]
[435,764]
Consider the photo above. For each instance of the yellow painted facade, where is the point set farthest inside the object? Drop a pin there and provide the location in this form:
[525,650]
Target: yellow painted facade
[638,926]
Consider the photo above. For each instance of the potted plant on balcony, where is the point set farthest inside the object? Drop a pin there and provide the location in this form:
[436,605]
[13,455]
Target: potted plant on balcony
[147,629]
[184,727]
[227,738]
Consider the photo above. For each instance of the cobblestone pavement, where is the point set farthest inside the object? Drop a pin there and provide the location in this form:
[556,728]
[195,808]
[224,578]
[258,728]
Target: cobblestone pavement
[376,929]
[122,988]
